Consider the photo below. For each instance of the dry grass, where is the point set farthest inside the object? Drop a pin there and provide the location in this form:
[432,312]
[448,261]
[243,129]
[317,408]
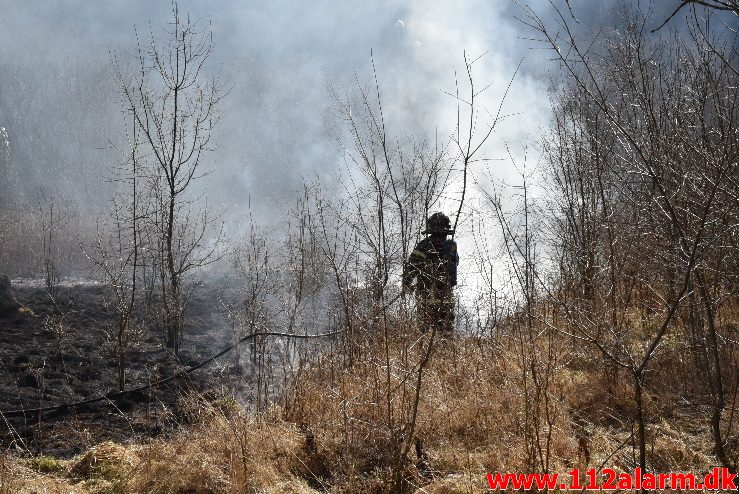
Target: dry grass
[470,415]
[221,454]
[334,431]
[230,454]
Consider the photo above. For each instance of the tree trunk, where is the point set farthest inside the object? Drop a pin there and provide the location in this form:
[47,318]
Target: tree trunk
[640,422]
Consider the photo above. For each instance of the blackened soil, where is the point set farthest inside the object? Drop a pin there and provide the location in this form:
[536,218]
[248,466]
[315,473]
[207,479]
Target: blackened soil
[60,351]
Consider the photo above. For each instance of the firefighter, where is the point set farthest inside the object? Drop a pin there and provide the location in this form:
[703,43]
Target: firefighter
[433,264]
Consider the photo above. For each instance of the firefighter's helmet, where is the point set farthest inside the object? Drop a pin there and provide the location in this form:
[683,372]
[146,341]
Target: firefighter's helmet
[438,223]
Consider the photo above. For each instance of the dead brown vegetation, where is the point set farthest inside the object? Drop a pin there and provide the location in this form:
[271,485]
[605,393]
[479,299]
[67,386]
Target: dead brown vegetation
[476,415]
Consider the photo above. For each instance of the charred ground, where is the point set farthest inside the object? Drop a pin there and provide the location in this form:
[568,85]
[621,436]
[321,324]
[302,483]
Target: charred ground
[57,350]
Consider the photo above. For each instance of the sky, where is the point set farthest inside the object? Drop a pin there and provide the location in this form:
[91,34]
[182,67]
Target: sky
[279,57]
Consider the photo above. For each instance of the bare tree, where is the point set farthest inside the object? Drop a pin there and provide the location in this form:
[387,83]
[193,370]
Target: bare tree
[117,252]
[4,160]
[173,101]
[388,189]
[644,145]
[718,5]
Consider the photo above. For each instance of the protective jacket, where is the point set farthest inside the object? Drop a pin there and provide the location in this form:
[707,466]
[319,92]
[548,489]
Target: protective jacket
[433,263]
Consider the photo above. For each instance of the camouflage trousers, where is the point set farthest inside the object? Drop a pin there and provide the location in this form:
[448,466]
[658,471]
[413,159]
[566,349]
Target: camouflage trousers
[436,314]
